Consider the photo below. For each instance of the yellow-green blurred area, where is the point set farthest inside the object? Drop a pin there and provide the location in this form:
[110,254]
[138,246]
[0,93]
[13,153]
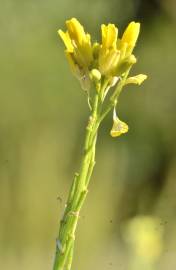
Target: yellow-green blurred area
[129,219]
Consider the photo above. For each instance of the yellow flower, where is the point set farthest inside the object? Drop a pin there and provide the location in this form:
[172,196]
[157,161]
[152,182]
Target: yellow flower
[115,53]
[78,44]
[118,127]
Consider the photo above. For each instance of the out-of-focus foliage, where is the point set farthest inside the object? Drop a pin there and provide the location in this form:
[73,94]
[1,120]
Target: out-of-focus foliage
[43,113]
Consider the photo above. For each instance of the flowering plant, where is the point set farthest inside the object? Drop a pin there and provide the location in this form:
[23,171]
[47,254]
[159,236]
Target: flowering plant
[102,70]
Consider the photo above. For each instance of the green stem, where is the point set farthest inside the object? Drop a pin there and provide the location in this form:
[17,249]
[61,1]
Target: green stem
[77,195]
[115,96]
[70,258]
[79,188]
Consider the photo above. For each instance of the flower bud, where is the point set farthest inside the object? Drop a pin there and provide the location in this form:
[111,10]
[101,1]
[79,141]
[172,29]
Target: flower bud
[126,64]
[95,75]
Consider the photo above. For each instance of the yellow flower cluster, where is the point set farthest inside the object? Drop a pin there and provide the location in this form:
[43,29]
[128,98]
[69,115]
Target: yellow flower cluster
[115,54]
[102,63]
[110,58]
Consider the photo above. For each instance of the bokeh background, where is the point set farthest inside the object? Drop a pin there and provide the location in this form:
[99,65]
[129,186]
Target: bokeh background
[129,219]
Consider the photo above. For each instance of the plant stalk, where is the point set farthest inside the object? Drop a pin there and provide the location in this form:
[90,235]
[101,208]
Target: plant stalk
[77,195]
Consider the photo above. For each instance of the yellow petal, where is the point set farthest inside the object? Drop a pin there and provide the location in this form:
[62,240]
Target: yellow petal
[109,36]
[74,67]
[123,50]
[108,61]
[66,39]
[138,79]
[131,34]
[76,30]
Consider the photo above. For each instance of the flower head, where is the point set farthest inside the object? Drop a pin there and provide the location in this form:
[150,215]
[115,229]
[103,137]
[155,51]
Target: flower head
[77,43]
[78,47]
[109,59]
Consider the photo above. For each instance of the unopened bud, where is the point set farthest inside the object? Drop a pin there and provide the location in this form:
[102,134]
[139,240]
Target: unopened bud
[95,75]
[126,64]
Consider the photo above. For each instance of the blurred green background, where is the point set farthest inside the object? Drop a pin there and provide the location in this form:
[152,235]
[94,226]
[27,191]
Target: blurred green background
[129,219]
